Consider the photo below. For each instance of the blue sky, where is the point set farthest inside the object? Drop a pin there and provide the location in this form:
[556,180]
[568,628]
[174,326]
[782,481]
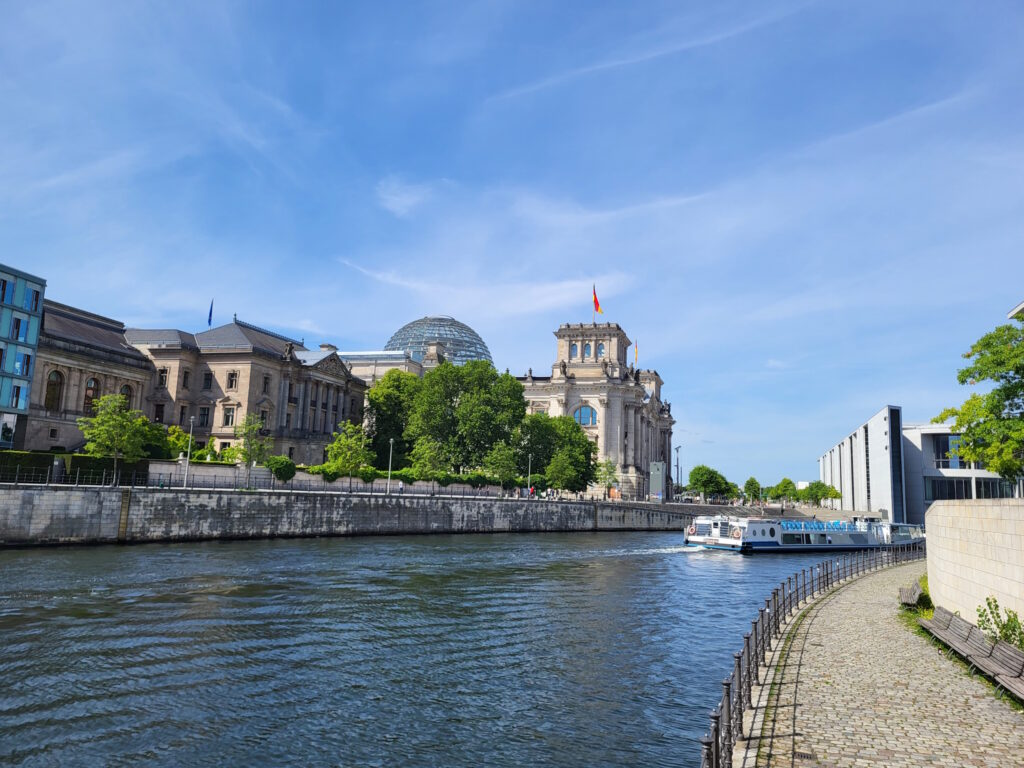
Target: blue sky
[803,211]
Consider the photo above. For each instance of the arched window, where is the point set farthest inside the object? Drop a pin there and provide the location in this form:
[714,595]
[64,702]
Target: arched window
[126,391]
[573,350]
[585,416]
[54,391]
[586,350]
[600,349]
[92,391]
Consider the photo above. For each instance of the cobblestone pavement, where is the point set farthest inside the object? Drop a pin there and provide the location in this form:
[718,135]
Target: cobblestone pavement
[858,688]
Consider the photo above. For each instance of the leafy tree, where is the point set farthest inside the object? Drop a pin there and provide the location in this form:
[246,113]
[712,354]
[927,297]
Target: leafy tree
[607,474]
[536,437]
[350,451]
[733,491]
[115,430]
[282,467]
[390,403]
[177,441]
[816,491]
[785,489]
[253,448]
[752,489]
[501,463]
[572,465]
[231,453]
[991,425]
[428,459]
[708,482]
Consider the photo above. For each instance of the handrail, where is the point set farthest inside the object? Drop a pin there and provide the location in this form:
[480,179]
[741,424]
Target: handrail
[794,593]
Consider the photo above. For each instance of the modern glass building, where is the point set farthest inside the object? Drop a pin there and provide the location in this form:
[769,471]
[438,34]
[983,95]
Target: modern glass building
[21,313]
[461,343]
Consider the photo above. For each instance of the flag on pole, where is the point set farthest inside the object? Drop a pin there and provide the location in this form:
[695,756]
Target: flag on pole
[209,318]
[597,304]
[636,352]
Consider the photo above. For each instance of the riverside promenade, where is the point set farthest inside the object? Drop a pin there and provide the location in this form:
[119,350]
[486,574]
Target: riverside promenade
[851,685]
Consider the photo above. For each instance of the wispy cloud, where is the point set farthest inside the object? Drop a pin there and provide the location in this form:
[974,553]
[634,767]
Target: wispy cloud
[401,197]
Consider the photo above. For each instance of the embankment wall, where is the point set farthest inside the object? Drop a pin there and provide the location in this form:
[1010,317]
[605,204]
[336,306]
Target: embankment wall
[53,515]
[976,550]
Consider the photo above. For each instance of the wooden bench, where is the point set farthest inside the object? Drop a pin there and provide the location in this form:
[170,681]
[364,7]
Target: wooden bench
[1001,661]
[910,595]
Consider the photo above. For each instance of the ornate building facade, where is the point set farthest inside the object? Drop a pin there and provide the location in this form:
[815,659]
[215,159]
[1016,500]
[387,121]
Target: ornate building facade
[210,381]
[81,357]
[619,407]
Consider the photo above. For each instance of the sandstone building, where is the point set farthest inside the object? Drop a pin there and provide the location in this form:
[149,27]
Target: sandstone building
[618,406]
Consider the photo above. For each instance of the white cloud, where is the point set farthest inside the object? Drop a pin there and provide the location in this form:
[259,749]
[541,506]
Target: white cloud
[401,197]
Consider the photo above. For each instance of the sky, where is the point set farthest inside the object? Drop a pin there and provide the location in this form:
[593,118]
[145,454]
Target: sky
[802,211]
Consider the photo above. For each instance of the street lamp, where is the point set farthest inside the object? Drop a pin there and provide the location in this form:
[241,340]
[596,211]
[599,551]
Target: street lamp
[678,479]
[188,458]
[529,473]
[391,450]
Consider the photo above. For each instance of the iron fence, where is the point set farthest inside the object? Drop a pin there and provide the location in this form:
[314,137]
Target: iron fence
[766,630]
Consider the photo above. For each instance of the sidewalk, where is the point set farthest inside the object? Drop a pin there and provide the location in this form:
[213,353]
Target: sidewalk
[857,688]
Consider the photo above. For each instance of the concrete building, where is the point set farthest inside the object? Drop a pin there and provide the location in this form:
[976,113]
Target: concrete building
[218,377]
[897,471]
[21,308]
[618,406]
[371,365]
[82,356]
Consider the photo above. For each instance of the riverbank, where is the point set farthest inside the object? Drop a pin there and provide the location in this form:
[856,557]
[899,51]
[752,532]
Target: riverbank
[850,685]
[56,515]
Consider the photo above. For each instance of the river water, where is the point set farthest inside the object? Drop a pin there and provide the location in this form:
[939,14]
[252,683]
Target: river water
[501,650]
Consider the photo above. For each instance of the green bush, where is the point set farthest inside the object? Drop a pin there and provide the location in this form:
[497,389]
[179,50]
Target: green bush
[369,474]
[281,467]
[26,460]
[326,471]
[98,465]
[998,627]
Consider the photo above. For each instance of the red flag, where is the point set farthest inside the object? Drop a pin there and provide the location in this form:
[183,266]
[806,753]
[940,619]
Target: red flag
[597,304]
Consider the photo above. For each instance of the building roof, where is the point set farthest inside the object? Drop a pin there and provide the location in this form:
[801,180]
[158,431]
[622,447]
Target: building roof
[249,338]
[77,326]
[461,343]
[1017,311]
[157,337]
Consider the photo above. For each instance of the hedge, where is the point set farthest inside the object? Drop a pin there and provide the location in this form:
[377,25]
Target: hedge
[27,460]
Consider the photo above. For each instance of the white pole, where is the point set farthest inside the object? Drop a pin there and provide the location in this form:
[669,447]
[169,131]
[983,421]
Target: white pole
[529,474]
[391,450]
[188,458]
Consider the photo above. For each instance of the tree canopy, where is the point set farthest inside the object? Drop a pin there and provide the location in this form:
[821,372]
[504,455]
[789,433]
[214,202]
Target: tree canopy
[816,492]
[784,489]
[116,430]
[752,489]
[708,481]
[991,425]
[253,448]
[350,451]
[390,402]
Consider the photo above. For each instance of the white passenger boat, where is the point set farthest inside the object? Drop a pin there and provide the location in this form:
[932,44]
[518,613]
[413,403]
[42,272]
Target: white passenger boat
[755,534]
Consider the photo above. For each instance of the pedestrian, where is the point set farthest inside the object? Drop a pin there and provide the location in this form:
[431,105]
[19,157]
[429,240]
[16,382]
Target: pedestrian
[401,487]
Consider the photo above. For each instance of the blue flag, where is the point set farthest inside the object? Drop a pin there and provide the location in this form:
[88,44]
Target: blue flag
[209,320]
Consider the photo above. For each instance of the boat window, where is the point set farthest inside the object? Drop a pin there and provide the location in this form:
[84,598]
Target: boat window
[792,538]
[771,532]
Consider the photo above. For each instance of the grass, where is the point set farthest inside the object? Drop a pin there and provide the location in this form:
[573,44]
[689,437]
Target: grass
[924,610]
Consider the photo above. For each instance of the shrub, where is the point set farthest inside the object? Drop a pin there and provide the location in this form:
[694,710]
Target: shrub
[369,474]
[326,471]
[281,467]
[996,627]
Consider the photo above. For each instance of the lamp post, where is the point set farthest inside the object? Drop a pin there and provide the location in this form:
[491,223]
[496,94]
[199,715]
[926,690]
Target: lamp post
[391,450]
[678,480]
[188,457]
[529,474]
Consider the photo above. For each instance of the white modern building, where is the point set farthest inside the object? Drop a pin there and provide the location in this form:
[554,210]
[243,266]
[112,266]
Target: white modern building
[896,471]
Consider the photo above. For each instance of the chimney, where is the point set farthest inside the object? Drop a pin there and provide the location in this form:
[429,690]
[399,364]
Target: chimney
[328,347]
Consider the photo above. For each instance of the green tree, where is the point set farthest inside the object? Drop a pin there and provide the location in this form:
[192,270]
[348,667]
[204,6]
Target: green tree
[572,466]
[607,474]
[115,430]
[785,489]
[501,462]
[428,459]
[177,441]
[708,482]
[389,405]
[536,438]
[282,467]
[752,489]
[816,491]
[350,451]
[253,448]
[991,426]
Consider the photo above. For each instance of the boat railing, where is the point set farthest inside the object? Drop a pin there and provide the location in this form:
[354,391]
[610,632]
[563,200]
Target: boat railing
[767,630]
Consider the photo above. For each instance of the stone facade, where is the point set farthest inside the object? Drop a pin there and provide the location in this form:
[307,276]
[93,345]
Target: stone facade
[218,377]
[81,357]
[619,406]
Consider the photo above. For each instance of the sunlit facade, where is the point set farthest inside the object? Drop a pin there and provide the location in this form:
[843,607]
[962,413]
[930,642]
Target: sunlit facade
[21,312]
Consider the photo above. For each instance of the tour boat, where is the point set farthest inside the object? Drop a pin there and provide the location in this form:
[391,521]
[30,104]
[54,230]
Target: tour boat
[755,534]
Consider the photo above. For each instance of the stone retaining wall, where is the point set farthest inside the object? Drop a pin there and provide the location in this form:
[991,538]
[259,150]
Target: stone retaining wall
[976,549]
[59,515]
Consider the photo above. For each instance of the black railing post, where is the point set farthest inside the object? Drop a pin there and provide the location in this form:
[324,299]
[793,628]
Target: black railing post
[755,667]
[726,755]
[716,739]
[705,751]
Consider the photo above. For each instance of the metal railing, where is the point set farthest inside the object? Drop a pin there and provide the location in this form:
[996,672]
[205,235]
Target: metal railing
[792,594]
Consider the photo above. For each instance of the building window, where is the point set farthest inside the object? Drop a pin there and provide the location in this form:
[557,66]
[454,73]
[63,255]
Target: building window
[585,416]
[204,416]
[53,435]
[126,393]
[158,413]
[291,452]
[181,415]
[92,391]
[32,301]
[266,385]
[229,416]
[186,379]
[600,349]
[993,488]
[225,445]
[22,361]
[3,290]
[264,415]
[207,380]
[939,488]
[161,377]
[54,391]
[232,379]
[17,330]
[586,350]
[287,421]
[573,350]
[16,397]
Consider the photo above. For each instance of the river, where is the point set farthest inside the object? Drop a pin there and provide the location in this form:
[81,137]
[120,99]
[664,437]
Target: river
[603,649]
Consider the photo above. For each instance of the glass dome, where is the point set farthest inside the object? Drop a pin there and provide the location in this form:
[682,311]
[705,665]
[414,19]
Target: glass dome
[461,343]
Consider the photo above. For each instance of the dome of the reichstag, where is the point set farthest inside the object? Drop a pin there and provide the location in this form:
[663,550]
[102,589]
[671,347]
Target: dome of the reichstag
[461,343]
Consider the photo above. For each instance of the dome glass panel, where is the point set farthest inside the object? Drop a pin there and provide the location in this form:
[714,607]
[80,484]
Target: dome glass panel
[461,343]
